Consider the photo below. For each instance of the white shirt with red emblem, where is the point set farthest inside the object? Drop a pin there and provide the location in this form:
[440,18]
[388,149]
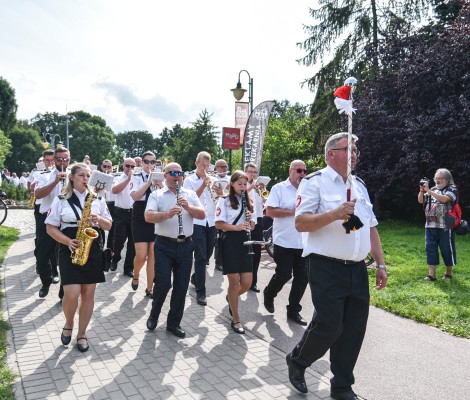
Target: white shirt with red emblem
[225,212]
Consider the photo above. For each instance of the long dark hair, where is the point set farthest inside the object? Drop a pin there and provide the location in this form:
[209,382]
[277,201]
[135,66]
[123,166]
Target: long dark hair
[233,196]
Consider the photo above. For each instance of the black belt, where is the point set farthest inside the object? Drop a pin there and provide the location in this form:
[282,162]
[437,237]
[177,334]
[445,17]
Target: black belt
[346,262]
[110,202]
[174,239]
[123,209]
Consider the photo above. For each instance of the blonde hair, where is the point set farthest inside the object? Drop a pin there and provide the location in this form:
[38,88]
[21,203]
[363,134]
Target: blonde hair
[67,191]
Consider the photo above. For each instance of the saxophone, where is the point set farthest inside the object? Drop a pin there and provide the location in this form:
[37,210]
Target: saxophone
[85,235]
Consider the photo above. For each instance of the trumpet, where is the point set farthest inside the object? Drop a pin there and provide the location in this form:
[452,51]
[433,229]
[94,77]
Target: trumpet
[181,235]
[209,188]
[265,194]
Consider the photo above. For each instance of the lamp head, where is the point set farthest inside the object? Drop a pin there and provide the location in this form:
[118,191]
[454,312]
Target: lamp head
[238,92]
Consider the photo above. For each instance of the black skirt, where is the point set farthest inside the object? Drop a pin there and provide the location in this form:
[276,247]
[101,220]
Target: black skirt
[73,274]
[141,231]
[235,257]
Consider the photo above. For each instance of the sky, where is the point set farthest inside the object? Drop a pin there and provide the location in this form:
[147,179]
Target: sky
[148,64]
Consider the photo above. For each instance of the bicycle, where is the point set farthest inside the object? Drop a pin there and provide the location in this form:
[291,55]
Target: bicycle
[268,241]
[3,208]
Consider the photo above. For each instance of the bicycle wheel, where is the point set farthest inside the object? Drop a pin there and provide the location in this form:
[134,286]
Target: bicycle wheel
[269,246]
[3,211]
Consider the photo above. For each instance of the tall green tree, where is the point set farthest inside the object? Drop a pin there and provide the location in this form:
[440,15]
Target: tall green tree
[27,148]
[5,146]
[8,106]
[135,143]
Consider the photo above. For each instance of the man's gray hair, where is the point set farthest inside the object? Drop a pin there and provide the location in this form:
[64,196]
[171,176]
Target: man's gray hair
[333,141]
[446,175]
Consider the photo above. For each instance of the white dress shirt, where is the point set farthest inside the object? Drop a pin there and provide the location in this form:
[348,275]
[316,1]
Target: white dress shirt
[137,181]
[283,195]
[162,200]
[44,179]
[193,182]
[326,191]
[225,212]
[123,198]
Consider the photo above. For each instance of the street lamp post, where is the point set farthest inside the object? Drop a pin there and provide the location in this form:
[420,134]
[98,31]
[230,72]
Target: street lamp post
[238,93]
[67,131]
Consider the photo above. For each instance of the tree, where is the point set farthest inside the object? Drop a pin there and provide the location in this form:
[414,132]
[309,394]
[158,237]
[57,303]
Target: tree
[351,27]
[202,136]
[26,144]
[8,106]
[5,146]
[135,143]
[415,116]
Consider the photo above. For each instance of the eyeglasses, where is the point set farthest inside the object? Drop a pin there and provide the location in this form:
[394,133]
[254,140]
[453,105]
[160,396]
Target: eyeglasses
[301,170]
[175,173]
[251,172]
[106,166]
[150,161]
[222,166]
[129,166]
[60,159]
[356,152]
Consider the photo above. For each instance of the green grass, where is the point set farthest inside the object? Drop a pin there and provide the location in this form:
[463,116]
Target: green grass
[444,304]
[7,237]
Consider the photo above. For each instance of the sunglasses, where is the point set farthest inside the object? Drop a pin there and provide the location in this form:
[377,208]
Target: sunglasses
[150,161]
[300,170]
[129,166]
[106,166]
[175,173]
[60,159]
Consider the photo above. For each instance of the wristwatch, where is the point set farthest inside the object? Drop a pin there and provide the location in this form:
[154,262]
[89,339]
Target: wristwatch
[381,267]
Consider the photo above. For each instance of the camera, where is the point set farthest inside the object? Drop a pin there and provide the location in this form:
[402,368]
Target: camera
[423,181]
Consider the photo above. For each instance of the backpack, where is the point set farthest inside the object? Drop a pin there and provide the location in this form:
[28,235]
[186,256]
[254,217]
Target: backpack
[453,217]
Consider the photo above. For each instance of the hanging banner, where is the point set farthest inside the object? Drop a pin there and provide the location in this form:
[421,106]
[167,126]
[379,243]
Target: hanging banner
[242,111]
[255,133]
[231,138]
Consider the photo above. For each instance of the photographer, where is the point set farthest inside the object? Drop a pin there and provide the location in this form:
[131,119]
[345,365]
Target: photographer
[437,201]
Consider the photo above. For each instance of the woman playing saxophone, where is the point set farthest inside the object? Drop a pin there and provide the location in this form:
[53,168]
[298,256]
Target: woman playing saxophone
[65,215]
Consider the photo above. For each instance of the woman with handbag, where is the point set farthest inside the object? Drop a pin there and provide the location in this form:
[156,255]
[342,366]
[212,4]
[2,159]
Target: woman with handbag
[62,223]
[235,220]
[437,201]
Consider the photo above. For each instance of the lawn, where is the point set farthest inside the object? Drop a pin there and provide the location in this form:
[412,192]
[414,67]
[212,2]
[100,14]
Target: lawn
[444,304]
[7,237]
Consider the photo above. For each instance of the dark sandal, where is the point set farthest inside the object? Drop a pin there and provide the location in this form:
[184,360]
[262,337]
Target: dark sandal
[83,347]
[447,276]
[149,293]
[66,339]
[134,287]
[238,330]
[430,278]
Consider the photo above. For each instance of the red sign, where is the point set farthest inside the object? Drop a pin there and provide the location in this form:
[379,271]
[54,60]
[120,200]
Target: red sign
[231,138]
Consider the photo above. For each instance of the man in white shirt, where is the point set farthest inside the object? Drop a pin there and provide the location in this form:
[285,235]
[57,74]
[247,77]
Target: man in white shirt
[49,186]
[280,206]
[24,180]
[204,229]
[221,186]
[122,223]
[107,168]
[173,249]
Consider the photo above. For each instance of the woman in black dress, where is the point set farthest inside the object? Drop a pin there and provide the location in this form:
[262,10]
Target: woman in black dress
[62,224]
[237,264]
[143,232]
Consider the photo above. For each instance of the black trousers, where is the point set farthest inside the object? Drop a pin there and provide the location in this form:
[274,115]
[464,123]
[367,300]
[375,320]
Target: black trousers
[45,252]
[289,262]
[174,261]
[257,234]
[123,232]
[340,295]
[203,238]
[111,208]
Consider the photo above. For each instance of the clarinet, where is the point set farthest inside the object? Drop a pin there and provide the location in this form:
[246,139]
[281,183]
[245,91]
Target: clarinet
[248,231]
[181,234]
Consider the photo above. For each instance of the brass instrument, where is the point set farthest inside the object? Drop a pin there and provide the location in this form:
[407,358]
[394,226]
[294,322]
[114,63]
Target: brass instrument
[85,235]
[32,200]
[181,235]
[211,192]
[248,231]
[265,194]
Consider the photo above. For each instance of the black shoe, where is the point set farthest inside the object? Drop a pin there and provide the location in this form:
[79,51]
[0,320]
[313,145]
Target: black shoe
[149,293]
[297,318]
[83,347]
[177,331]
[113,266]
[55,279]
[66,339]
[268,301]
[43,292]
[152,323]
[229,309]
[201,300]
[254,288]
[193,280]
[218,267]
[347,395]
[135,286]
[296,376]
[238,330]
[130,274]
